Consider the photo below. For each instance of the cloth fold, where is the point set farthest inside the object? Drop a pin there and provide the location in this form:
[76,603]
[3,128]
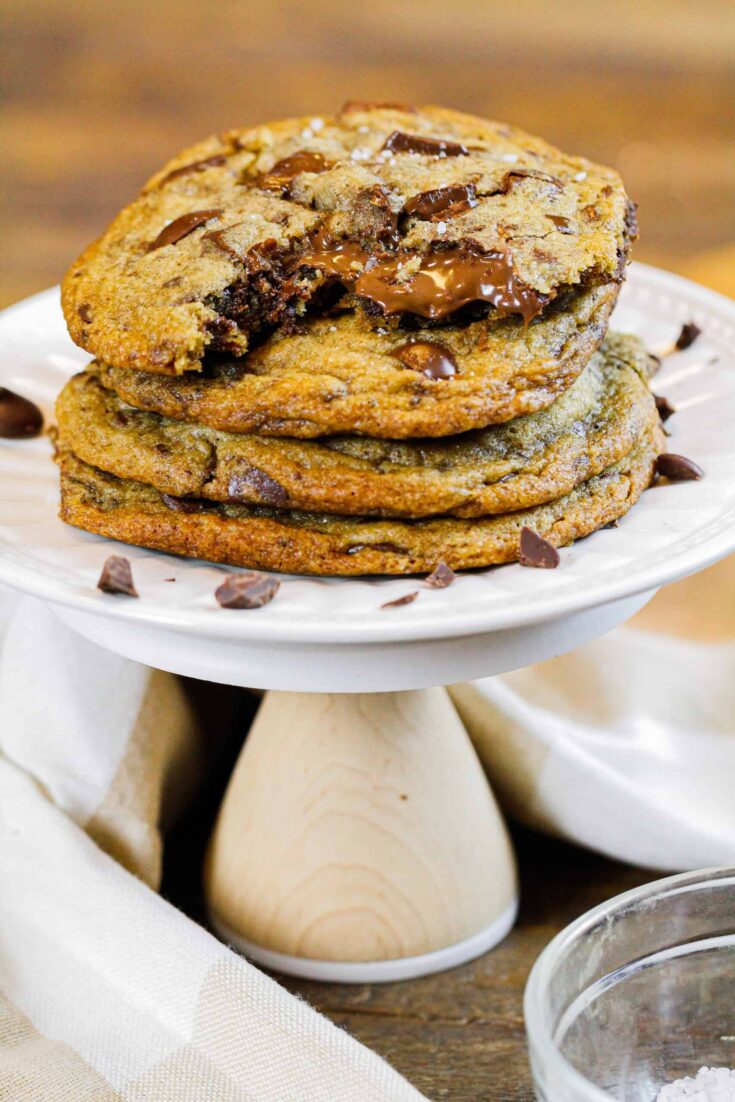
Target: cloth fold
[626,745]
[107,992]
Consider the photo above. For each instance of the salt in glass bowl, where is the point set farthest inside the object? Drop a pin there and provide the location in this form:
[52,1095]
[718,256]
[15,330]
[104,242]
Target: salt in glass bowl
[636,993]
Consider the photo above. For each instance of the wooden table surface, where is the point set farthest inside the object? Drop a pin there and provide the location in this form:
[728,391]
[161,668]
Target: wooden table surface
[97,95]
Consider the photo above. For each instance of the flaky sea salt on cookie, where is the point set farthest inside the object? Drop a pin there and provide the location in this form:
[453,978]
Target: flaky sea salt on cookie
[407,213]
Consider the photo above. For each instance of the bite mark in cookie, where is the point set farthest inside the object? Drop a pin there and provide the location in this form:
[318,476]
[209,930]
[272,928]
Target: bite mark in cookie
[401,200]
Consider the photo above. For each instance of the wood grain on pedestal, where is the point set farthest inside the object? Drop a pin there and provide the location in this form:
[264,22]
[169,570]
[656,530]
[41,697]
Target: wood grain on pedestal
[358,827]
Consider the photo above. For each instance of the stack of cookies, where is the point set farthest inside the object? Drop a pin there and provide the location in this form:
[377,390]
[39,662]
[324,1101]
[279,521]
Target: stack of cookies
[358,345]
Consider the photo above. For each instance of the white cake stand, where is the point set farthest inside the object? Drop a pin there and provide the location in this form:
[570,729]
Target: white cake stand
[359,839]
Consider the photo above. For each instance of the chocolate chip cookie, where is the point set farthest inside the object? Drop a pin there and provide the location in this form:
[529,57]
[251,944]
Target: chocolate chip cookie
[406,216]
[312,543]
[341,375]
[516,465]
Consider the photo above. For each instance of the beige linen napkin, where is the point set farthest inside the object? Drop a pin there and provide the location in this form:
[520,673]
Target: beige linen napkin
[626,745]
[107,992]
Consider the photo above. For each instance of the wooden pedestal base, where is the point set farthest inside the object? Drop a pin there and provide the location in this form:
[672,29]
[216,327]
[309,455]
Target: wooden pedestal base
[359,840]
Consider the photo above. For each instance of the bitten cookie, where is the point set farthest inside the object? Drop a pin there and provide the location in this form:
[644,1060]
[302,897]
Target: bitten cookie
[401,213]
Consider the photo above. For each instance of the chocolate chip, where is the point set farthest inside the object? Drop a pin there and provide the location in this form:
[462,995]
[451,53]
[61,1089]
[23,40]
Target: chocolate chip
[181,227]
[19,417]
[251,480]
[677,468]
[398,142]
[251,589]
[446,201]
[117,577]
[536,551]
[281,176]
[533,174]
[85,312]
[406,599]
[562,224]
[195,166]
[183,504]
[664,407]
[431,359]
[441,576]
[687,337]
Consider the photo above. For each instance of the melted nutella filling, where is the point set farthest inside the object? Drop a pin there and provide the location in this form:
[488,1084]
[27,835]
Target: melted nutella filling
[344,260]
[450,279]
[431,359]
[182,226]
[444,282]
[281,176]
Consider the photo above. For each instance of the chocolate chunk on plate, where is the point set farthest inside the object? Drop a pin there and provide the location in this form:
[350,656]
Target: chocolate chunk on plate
[19,417]
[677,468]
[251,589]
[117,577]
[664,407]
[536,551]
[441,576]
[406,599]
[687,337]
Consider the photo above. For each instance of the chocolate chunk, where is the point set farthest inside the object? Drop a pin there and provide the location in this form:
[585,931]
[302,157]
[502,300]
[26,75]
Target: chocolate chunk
[19,417]
[398,142]
[536,551]
[441,576]
[181,227]
[85,312]
[677,468]
[183,504]
[281,176]
[433,360]
[251,589]
[687,337]
[406,599]
[117,577]
[447,280]
[562,224]
[251,479]
[195,166]
[446,201]
[530,173]
[664,407]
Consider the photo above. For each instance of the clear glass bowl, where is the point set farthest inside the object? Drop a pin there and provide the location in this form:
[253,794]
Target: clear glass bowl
[636,993]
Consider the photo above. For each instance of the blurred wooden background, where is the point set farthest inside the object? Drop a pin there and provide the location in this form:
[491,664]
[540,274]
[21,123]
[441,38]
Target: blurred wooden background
[98,94]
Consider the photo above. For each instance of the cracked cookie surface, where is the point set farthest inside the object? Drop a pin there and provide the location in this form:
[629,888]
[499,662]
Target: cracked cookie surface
[516,465]
[404,213]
